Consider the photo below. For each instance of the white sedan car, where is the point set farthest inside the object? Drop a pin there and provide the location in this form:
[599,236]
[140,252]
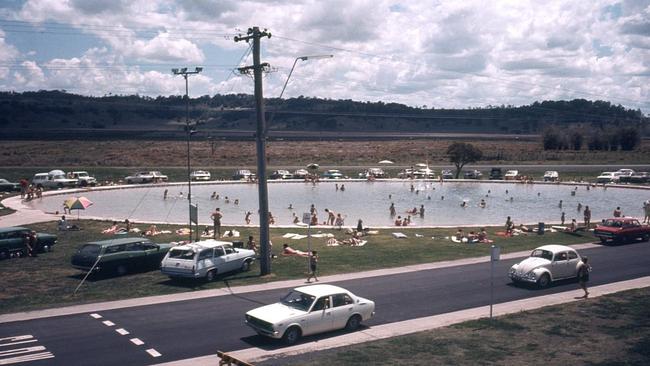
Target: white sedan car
[546,264]
[309,310]
[200,175]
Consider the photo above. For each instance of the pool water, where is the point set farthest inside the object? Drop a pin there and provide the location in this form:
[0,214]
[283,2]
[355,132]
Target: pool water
[369,201]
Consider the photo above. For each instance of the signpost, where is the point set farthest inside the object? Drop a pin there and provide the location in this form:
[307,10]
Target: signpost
[194,218]
[495,253]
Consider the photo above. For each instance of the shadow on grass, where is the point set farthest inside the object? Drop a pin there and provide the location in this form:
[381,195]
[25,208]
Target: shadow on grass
[271,344]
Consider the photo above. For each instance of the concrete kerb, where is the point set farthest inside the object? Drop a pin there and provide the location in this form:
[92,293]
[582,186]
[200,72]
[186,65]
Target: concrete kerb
[193,295]
[417,325]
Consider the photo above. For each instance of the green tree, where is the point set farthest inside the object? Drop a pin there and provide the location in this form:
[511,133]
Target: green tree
[576,139]
[629,138]
[461,153]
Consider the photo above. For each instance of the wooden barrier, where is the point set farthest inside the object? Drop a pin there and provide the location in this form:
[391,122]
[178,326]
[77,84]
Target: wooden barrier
[225,359]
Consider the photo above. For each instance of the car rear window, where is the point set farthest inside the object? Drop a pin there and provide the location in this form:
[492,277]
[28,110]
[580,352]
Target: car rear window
[90,250]
[181,254]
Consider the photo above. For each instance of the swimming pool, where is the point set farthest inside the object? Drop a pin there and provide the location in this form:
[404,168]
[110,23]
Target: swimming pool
[369,201]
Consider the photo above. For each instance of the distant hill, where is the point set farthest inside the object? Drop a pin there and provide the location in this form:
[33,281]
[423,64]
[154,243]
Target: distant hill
[58,114]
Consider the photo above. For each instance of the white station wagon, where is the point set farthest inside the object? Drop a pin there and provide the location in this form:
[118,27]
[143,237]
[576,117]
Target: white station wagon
[310,310]
[546,264]
[205,259]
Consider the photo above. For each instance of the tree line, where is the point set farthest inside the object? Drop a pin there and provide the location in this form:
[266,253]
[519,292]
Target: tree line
[625,138]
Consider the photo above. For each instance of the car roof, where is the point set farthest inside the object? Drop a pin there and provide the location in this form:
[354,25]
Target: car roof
[622,219]
[554,248]
[120,241]
[204,244]
[321,290]
[12,228]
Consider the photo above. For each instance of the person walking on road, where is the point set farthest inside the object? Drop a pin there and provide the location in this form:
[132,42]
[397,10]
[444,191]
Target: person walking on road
[216,222]
[313,264]
[583,275]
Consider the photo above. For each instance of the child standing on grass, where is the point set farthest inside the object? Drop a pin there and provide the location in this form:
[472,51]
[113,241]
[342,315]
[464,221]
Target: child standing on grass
[583,276]
[313,262]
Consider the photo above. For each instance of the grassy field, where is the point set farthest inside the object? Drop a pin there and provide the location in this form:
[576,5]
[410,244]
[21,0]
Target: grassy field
[609,330]
[49,280]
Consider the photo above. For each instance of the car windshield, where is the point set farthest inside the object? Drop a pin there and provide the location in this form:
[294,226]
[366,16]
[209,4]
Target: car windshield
[539,253]
[298,300]
[90,250]
[181,254]
[612,223]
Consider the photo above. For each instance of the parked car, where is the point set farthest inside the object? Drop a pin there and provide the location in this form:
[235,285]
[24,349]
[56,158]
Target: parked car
[496,174]
[511,175]
[622,229]
[473,174]
[607,177]
[546,264]
[205,259]
[148,176]
[424,173]
[200,175]
[310,310]
[551,176]
[447,174]
[53,179]
[333,174]
[639,177]
[373,172]
[119,256]
[281,174]
[7,186]
[300,174]
[12,241]
[243,174]
[83,178]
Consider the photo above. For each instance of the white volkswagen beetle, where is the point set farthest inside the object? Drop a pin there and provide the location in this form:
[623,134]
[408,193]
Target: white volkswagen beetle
[546,264]
[309,310]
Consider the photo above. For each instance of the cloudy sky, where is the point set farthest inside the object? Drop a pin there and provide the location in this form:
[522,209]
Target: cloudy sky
[433,53]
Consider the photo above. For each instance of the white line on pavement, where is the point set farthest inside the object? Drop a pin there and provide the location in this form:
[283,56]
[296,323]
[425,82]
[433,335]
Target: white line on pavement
[122,331]
[136,341]
[27,358]
[108,323]
[153,352]
[96,316]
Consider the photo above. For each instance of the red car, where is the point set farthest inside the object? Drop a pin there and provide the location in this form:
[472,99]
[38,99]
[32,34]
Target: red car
[622,229]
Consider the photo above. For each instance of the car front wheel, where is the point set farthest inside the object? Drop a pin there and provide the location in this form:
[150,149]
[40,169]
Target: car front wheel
[544,281]
[353,323]
[246,266]
[210,276]
[291,336]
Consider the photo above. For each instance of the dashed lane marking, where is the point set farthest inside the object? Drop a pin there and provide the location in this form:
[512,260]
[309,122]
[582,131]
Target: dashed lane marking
[96,316]
[153,352]
[122,331]
[22,353]
[108,323]
[136,341]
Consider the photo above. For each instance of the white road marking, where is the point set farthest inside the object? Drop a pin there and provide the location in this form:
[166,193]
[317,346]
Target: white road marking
[108,323]
[17,340]
[27,358]
[96,316]
[153,352]
[137,341]
[122,331]
[18,351]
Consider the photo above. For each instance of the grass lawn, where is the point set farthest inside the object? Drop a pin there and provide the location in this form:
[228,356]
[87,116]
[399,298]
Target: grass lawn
[609,330]
[49,280]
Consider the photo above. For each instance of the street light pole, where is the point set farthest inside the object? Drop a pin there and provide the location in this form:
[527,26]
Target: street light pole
[301,58]
[185,73]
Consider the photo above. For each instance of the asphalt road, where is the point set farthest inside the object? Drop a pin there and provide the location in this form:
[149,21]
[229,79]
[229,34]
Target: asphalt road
[200,327]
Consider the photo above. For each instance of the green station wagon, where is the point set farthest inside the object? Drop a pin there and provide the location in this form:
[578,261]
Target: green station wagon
[119,256]
[12,241]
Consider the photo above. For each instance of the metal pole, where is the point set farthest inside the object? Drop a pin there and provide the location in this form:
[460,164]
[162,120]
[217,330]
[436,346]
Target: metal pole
[491,280]
[289,77]
[189,134]
[308,245]
[265,250]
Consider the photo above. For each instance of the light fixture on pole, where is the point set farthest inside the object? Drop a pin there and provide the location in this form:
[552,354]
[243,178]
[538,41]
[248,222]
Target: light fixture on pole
[185,73]
[301,58]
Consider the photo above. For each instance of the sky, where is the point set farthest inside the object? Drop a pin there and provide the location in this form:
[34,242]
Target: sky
[438,54]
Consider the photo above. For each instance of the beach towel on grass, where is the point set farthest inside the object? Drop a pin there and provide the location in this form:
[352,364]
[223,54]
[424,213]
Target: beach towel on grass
[399,235]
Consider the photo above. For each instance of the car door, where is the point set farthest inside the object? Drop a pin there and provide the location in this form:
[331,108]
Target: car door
[205,260]
[572,264]
[319,318]
[135,255]
[230,259]
[559,266]
[219,260]
[342,309]
[152,255]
